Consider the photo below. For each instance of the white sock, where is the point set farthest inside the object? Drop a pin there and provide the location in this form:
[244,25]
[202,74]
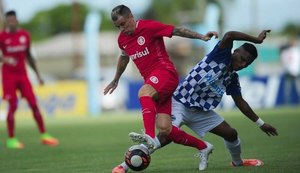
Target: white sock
[157,143]
[124,166]
[234,149]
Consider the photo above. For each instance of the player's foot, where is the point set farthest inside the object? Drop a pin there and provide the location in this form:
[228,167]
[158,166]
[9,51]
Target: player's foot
[14,143]
[119,169]
[47,139]
[250,162]
[143,139]
[203,154]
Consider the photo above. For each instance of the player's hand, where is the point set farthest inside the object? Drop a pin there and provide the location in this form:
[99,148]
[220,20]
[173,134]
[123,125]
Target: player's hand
[263,35]
[111,87]
[269,130]
[10,61]
[41,81]
[209,35]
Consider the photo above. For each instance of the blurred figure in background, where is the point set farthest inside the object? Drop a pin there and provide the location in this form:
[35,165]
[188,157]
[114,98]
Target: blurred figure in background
[15,47]
[290,59]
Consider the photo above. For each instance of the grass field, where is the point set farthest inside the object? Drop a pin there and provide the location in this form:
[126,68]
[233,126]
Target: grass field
[97,144]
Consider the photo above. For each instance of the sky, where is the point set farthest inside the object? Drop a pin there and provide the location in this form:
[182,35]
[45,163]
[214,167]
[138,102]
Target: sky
[26,9]
[269,14]
[239,15]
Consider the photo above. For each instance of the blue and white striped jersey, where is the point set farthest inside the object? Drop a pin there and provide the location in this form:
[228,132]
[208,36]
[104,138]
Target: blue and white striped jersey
[206,83]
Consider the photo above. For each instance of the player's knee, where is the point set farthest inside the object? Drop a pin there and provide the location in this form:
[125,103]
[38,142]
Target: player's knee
[164,130]
[163,124]
[12,105]
[33,105]
[147,90]
[232,135]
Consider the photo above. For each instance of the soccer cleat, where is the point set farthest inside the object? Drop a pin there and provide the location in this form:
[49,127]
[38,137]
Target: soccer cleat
[250,162]
[14,143]
[119,169]
[47,139]
[143,139]
[203,155]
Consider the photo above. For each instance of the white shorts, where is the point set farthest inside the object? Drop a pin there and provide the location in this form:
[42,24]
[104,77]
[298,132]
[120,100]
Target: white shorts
[199,121]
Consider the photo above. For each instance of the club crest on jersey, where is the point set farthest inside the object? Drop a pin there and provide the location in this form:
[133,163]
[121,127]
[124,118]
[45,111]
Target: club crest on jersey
[141,40]
[22,39]
[154,79]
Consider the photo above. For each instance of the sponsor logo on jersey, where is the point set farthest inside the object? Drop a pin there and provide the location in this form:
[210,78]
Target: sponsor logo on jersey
[13,49]
[141,40]
[140,54]
[154,79]
[215,85]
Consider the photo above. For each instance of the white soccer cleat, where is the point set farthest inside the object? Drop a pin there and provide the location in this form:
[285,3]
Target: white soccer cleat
[203,155]
[143,139]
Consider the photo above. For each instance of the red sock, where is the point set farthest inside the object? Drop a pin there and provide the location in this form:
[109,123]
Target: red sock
[38,118]
[149,114]
[10,120]
[180,137]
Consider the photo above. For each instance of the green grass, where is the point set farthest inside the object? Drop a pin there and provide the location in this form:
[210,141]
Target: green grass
[97,144]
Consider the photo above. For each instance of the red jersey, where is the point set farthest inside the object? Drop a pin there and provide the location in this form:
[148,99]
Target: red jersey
[15,45]
[146,46]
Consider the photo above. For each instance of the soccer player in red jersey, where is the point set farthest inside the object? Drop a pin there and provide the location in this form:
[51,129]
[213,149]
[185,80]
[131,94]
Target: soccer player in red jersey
[142,42]
[15,47]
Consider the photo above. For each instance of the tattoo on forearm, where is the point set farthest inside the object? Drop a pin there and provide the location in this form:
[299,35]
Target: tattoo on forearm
[184,32]
[122,66]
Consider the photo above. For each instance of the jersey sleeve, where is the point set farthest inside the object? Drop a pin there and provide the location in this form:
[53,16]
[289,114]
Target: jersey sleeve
[123,53]
[160,29]
[234,88]
[1,42]
[219,55]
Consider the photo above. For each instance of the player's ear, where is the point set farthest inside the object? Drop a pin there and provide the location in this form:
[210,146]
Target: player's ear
[130,15]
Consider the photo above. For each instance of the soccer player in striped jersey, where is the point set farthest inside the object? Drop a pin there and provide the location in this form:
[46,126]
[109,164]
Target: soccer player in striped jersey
[202,90]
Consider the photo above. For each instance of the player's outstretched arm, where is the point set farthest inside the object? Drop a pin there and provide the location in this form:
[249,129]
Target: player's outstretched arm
[184,32]
[122,64]
[229,37]
[247,110]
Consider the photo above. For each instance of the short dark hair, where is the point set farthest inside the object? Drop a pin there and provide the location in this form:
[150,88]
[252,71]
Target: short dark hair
[251,49]
[120,10]
[10,13]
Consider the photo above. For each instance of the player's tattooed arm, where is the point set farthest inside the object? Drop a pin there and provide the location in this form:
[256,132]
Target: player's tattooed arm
[122,64]
[184,32]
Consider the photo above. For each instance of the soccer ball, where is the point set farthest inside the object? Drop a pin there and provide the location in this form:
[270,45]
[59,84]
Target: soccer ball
[137,158]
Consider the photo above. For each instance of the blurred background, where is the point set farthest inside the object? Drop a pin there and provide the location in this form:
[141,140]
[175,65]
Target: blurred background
[75,45]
